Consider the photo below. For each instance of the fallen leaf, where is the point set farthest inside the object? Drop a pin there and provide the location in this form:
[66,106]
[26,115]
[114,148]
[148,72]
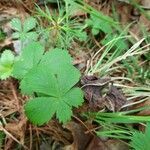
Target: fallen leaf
[100,94]
[97,144]
[80,139]
[115,99]
[92,87]
[114,144]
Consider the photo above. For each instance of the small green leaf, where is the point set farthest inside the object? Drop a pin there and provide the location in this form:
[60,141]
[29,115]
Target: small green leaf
[81,35]
[32,36]
[64,111]
[6,64]
[40,110]
[15,35]
[29,24]
[5,72]
[7,58]
[74,97]
[44,83]
[141,141]
[97,25]
[30,57]
[16,24]
[24,33]
[95,31]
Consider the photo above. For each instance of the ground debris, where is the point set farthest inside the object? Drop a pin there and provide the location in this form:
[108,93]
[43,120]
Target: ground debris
[80,139]
[101,93]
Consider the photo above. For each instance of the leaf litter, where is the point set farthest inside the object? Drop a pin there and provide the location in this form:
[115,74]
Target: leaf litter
[100,93]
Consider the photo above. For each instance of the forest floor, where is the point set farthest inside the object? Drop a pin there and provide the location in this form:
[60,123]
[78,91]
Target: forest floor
[109,41]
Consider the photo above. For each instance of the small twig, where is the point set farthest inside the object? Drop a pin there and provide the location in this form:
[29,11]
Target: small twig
[15,95]
[83,124]
[10,135]
[30,130]
[92,130]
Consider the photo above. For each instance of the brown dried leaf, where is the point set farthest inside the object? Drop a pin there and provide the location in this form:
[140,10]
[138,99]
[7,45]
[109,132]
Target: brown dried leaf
[115,99]
[92,87]
[97,144]
[114,144]
[80,139]
[111,144]
[100,94]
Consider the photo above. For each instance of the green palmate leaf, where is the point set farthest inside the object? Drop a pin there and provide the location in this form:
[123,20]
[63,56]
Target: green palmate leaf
[30,57]
[23,31]
[6,64]
[29,24]
[141,141]
[16,35]
[7,58]
[40,110]
[2,35]
[31,36]
[55,86]
[58,72]
[16,24]
[97,25]
[81,35]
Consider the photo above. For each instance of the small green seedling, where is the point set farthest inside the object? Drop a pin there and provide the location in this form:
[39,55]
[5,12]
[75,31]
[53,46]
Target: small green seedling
[61,29]
[97,25]
[6,64]
[23,32]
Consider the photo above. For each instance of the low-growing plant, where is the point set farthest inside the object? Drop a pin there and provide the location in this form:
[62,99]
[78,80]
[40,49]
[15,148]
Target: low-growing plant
[6,64]
[61,28]
[105,65]
[118,125]
[49,79]
[24,32]
[97,25]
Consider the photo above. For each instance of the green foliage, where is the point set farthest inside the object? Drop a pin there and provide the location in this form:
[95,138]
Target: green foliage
[29,58]
[105,63]
[141,141]
[6,64]
[54,85]
[51,1]
[137,72]
[2,136]
[51,76]
[118,124]
[138,66]
[24,32]
[61,29]
[97,25]
[2,35]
